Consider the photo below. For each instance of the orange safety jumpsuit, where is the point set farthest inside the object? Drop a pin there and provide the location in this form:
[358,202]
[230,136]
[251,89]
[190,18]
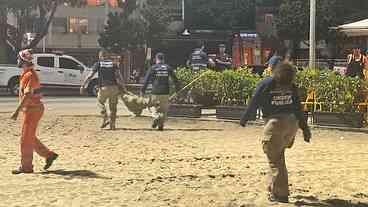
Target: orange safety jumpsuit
[32,112]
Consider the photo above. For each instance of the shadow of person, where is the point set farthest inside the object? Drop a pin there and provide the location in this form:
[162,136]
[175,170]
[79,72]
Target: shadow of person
[75,174]
[185,130]
[314,201]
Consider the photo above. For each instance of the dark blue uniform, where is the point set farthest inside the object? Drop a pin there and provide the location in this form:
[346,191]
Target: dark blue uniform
[159,75]
[198,60]
[106,73]
[273,100]
[283,116]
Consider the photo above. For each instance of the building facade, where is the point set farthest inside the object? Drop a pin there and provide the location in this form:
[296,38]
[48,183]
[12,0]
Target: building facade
[75,31]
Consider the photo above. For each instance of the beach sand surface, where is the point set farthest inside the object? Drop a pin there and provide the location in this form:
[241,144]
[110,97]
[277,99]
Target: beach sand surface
[191,164]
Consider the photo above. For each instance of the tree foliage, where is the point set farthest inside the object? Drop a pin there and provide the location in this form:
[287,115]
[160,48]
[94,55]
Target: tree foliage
[135,26]
[293,19]
[34,16]
[220,15]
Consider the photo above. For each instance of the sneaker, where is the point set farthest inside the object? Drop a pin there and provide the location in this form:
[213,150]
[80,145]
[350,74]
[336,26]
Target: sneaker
[155,124]
[112,126]
[279,199]
[21,171]
[161,128]
[50,160]
[104,124]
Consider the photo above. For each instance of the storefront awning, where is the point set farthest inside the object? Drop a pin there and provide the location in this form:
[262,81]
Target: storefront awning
[355,29]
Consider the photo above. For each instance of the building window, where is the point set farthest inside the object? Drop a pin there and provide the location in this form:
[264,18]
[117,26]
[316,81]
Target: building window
[78,25]
[60,25]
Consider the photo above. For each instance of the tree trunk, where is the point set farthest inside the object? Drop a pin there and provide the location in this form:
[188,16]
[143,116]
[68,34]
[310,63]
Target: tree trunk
[40,35]
[3,34]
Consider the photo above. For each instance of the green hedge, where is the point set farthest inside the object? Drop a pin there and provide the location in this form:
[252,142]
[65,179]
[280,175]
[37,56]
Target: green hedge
[235,87]
[231,87]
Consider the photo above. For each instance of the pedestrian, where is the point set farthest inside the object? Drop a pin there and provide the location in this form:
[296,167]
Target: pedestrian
[159,75]
[110,86]
[355,64]
[365,70]
[282,111]
[223,60]
[275,59]
[32,110]
[198,59]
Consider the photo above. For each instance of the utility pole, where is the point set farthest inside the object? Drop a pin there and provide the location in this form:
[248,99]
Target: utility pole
[312,35]
[107,11]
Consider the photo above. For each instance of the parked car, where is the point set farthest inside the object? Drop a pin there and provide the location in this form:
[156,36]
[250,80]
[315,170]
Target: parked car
[56,71]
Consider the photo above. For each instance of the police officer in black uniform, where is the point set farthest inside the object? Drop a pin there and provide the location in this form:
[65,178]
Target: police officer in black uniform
[198,59]
[110,86]
[159,75]
[223,60]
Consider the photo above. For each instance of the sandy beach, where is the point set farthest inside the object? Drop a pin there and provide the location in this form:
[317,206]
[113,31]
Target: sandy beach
[192,164]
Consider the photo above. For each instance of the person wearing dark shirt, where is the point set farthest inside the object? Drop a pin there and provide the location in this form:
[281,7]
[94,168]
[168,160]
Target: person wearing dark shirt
[198,59]
[275,59]
[278,99]
[109,84]
[223,60]
[159,75]
[356,64]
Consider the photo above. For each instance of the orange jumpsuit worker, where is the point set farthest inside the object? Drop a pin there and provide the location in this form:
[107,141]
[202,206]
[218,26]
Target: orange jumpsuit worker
[32,110]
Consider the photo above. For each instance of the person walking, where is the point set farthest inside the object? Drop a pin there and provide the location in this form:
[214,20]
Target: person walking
[277,97]
[32,110]
[159,75]
[110,86]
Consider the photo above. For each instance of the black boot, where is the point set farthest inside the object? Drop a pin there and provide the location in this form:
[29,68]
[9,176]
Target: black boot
[50,160]
[279,199]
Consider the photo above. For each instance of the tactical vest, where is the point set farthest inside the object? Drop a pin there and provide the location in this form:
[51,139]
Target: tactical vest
[106,73]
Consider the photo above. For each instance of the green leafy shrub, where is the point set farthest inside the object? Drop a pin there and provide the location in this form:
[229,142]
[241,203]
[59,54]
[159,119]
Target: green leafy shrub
[231,87]
[337,93]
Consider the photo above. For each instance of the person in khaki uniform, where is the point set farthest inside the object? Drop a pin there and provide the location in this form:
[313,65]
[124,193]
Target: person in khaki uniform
[278,98]
[159,74]
[110,85]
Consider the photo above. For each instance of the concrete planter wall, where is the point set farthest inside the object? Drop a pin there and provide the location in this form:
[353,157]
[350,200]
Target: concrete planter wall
[346,119]
[230,112]
[185,110]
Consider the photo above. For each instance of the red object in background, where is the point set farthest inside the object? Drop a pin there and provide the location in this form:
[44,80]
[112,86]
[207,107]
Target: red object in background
[112,3]
[236,52]
[248,56]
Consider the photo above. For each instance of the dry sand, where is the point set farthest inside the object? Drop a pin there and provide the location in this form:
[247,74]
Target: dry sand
[193,163]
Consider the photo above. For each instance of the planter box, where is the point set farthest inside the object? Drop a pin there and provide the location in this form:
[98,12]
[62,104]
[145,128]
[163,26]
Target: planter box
[230,112]
[348,119]
[185,110]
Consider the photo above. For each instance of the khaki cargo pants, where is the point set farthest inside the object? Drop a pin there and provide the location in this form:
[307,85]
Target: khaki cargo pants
[159,112]
[110,93]
[279,134]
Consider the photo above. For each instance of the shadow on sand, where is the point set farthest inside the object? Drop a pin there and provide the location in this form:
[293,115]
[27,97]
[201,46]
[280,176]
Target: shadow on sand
[185,130]
[75,174]
[314,201]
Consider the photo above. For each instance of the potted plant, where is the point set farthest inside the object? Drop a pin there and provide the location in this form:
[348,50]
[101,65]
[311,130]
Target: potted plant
[235,90]
[181,105]
[338,96]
